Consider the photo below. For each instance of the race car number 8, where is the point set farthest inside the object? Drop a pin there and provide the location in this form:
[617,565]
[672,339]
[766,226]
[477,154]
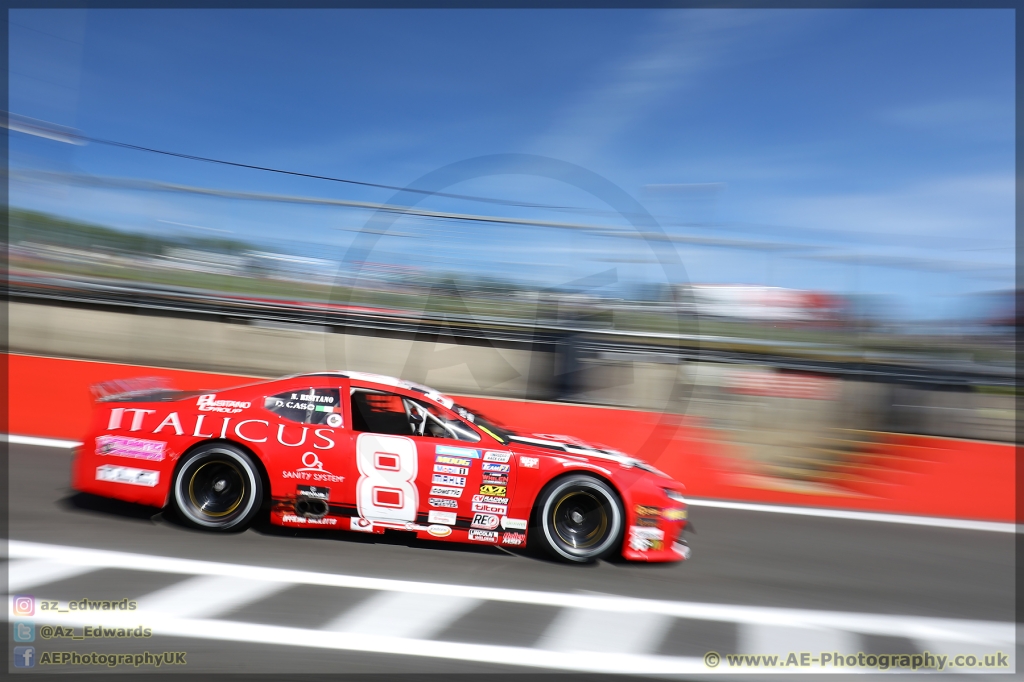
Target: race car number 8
[387,473]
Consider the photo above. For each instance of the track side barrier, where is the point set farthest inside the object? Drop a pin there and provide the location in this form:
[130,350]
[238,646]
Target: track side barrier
[934,476]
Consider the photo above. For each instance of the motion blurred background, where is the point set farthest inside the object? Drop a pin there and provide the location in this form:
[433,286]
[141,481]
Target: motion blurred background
[817,269]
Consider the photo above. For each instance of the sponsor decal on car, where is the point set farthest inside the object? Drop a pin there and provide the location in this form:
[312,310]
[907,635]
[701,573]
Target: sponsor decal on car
[274,403]
[485,521]
[326,399]
[446,469]
[646,515]
[494,479]
[516,539]
[498,509]
[135,448]
[456,452]
[529,462]
[441,517]
[439,531]
[446,492]
[454,461]
[410,526]
[361,525]
[496,468]
[325,521]
[246,429]
[496,490]
[209,403]
[444,503]
[674,514]
[642,539]
[490,499]
[115,474]
[312,469]
[314,491]
[513,524]
[334,420]
[441,479]
[501,457]
[482,535]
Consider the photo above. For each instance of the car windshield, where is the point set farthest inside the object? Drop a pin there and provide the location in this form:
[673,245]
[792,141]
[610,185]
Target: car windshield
[500,433]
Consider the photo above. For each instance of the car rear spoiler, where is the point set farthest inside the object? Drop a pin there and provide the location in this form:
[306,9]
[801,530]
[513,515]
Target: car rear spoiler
[129,389]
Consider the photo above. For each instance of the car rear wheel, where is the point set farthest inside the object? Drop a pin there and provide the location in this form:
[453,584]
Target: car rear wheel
[579,518]
[217,488]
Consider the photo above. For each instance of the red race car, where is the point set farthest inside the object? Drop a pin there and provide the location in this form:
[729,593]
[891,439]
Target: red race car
[368,453]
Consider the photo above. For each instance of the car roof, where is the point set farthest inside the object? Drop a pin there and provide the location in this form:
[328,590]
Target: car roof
[383,380]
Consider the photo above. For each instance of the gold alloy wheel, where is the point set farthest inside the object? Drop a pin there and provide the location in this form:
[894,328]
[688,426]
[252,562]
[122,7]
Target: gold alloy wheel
[579,519]
[220,484]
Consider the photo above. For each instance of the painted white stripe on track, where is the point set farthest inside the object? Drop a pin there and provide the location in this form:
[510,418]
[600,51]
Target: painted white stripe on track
[399,614]
[589,630]
[28,573]
[939,522]
[945,629]
[759,639]
[222,630]
[43,442]
[205,596]
[596,662]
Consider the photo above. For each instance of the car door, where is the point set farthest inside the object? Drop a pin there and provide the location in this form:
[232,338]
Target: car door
[417,462]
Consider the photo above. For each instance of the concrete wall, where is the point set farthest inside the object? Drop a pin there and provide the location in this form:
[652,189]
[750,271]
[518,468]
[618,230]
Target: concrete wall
[770,428]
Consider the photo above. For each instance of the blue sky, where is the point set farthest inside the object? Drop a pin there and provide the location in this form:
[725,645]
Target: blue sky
[858,136]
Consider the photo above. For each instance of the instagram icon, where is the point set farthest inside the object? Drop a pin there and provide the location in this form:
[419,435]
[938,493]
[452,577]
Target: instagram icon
[24,605]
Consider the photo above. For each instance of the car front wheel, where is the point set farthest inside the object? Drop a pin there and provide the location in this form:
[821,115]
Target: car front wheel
[217,488]
[579,518]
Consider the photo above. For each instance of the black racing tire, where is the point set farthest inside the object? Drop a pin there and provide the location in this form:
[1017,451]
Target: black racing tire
[217,487]
[578,518]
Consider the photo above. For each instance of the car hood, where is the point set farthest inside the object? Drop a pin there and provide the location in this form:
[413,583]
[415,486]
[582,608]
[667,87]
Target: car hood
[556,443]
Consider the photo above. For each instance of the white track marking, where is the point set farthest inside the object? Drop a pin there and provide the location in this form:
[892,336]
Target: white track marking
[589,630]
[596,662]
[939,522]
[28,573]
[944,629]
[960,524]
[767,639]
[398,614]
[43,442]
[206,596]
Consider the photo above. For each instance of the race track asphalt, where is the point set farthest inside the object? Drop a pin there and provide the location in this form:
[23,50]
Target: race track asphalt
[739,557]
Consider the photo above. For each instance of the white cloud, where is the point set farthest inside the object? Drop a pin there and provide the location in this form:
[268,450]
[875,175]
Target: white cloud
[978,207]
[957,116]
[685,47]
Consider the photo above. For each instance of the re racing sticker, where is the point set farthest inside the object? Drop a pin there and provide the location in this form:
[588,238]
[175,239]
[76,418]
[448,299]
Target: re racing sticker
[485,521]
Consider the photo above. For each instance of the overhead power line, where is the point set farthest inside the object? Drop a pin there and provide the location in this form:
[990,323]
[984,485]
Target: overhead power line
[790,249]
[52,131]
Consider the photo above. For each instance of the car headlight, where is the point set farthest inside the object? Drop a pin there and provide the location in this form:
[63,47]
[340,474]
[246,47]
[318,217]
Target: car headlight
[674,495]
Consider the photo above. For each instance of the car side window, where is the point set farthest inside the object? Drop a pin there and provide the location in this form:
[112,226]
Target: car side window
[308,406]
[388,413]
